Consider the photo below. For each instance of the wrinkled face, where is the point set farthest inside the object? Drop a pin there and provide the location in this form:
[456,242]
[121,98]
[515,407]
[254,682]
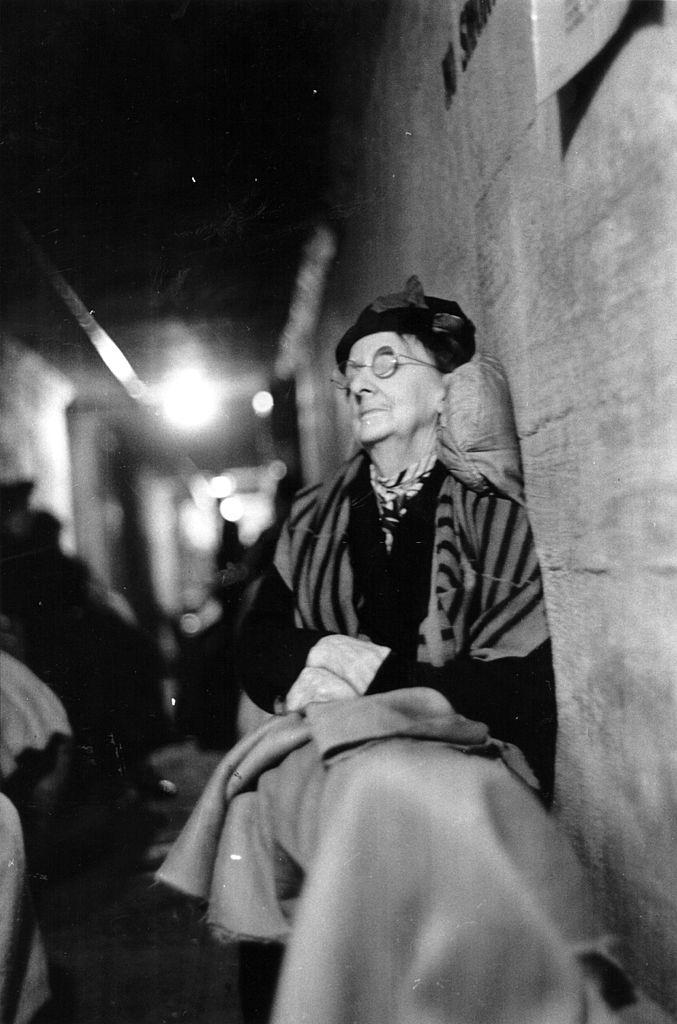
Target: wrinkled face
[397,415]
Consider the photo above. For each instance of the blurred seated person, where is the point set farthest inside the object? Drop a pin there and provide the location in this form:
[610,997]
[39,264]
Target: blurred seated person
[211,704]
[208,703]
[24,982]
[105,669]
[35,749]
[389,824]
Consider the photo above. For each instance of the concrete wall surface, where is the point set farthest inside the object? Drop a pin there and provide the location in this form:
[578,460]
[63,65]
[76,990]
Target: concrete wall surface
[555,227]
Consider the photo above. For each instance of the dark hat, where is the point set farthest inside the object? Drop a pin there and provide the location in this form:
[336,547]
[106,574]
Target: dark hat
[440,324]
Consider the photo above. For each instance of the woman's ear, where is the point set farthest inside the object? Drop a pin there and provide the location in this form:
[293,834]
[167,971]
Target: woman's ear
[444,385]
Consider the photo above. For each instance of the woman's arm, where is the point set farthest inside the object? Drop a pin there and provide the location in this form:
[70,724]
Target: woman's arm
[271,651]
[274,655]
[515,697]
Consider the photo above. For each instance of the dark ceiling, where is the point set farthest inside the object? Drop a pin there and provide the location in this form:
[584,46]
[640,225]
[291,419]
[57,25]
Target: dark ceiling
[168,158]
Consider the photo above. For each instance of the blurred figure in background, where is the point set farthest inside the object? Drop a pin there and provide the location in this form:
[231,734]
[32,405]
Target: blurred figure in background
[208,701]
[105,669]
[24,982]
[213,705]
[36,744]
[35,773]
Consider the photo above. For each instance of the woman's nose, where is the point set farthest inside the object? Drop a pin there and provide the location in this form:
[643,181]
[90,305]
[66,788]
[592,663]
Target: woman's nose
[362,380]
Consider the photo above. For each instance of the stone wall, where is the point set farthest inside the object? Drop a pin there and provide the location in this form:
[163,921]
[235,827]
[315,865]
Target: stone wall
[555,227]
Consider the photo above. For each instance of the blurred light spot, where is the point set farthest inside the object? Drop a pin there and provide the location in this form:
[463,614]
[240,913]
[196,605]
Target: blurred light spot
[198,526]
[189,400]
[277,469]
[221,486]
[201,493]
[235,856]
[262,403]
[173,702]
[190,625]
[232,508]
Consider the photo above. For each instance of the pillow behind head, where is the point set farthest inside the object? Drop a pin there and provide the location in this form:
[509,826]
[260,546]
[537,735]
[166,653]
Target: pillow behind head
[477,438]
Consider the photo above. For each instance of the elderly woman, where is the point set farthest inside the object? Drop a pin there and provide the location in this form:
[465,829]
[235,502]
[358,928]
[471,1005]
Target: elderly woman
[357,567]
[387,811]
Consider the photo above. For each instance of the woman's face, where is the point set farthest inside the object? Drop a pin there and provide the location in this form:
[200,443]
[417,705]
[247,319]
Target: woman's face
[395,418]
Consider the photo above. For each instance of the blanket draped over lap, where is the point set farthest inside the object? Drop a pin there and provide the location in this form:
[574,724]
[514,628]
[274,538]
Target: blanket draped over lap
[249,892]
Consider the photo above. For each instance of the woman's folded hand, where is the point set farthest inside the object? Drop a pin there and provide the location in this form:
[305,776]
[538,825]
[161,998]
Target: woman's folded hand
[355,661]
[318,685]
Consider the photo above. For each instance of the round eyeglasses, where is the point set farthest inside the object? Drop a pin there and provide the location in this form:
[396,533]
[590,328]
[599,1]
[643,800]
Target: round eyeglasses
[384,363]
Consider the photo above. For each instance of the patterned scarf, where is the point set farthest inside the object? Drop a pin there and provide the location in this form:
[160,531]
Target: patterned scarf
[393,493]
[486,595]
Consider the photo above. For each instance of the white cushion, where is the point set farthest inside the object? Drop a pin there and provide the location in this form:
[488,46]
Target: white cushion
[477,439]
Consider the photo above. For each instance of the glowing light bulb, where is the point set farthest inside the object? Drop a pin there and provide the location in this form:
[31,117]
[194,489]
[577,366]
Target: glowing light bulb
[262,403]
[189,401]
[232,508]
[221,486]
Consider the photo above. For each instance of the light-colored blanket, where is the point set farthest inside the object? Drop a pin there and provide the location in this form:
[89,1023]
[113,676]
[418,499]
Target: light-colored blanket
[224,854]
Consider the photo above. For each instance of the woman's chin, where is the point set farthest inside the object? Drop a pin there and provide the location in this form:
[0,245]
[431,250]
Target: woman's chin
[369,438]
[372,428]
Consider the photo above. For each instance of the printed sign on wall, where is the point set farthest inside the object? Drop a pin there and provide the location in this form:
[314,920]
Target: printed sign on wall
[567,34]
